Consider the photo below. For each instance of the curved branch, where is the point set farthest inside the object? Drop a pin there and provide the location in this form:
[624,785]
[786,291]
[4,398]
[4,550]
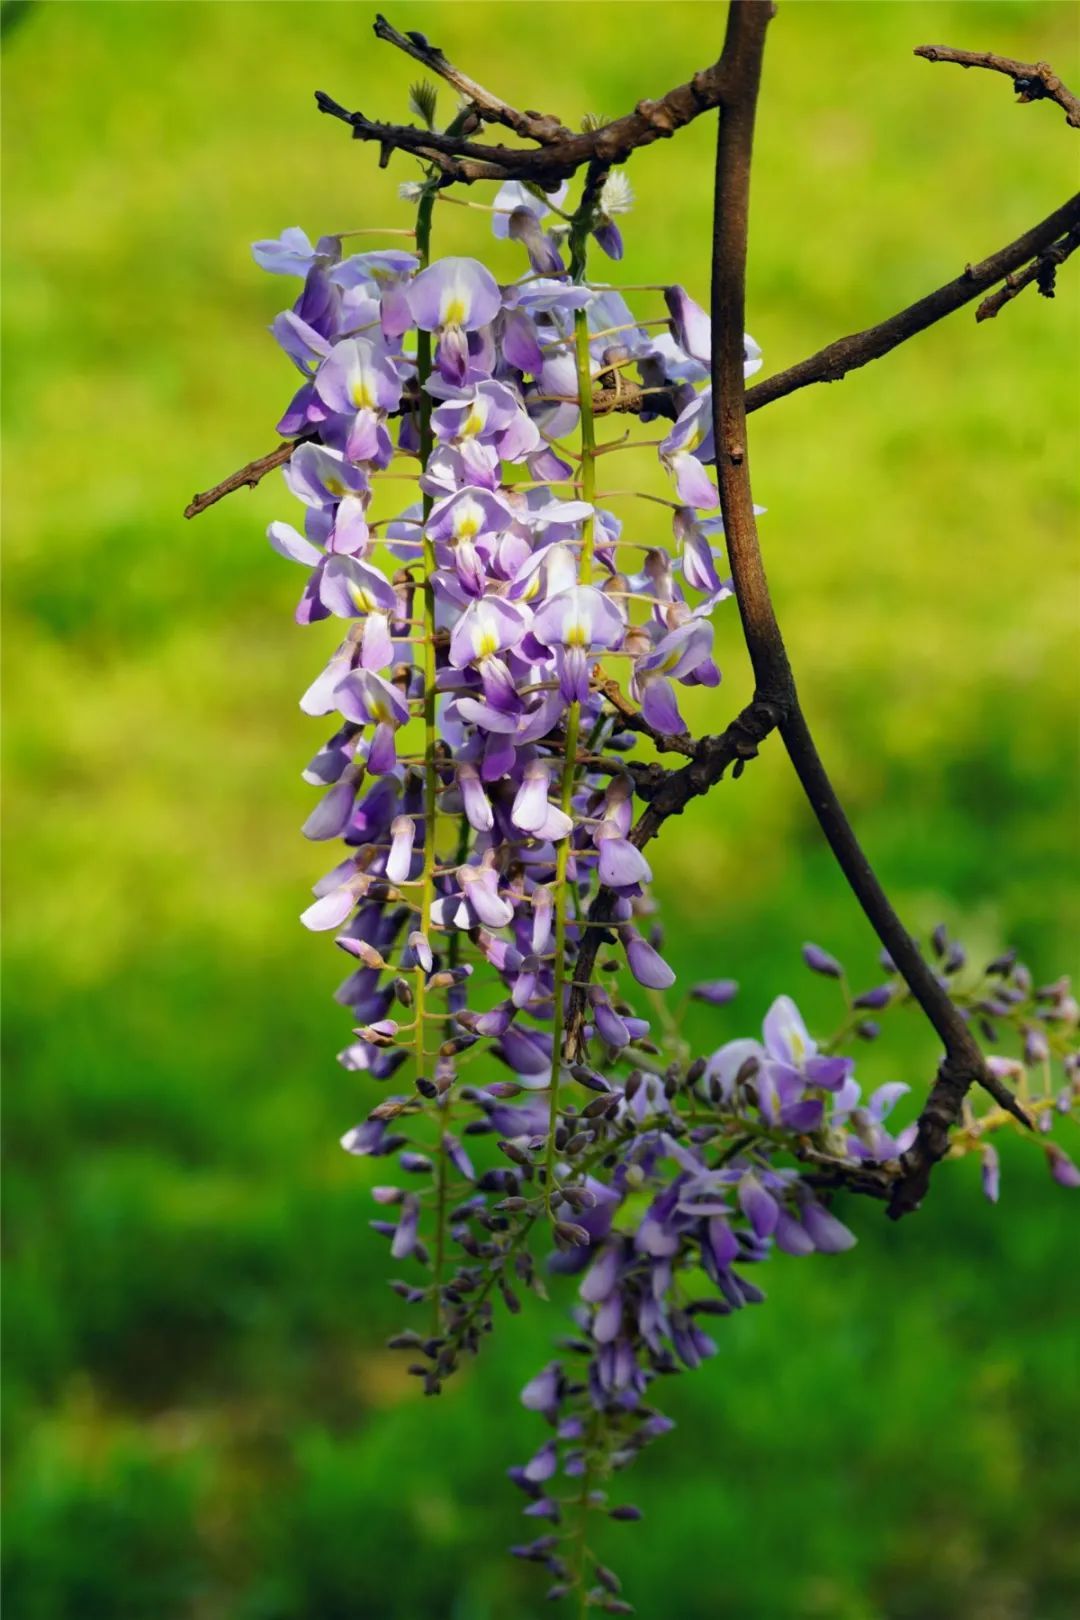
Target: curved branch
[1032,81]
[963,1065]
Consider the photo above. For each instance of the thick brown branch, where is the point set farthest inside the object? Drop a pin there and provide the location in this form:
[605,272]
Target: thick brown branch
[964,1064]
[533,125]
[1043,271]
[848,353]
[1032,81]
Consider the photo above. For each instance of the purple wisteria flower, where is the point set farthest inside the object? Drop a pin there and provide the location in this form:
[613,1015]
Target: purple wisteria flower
[488,807]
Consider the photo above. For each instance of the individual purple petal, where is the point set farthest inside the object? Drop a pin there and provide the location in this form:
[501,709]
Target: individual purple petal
[407,1232]
[357,375]
[530,806]
[541,1394]
[807,1115]
[609,1026]
[580,617]
[717,992]
[1063,1170]
[332,814]
[622,864]
[608,236]
[874,999]
[647,965]
[690,326]
[459,293]
[350,587]
[543,915]
[601,1277]
[722,1241]
[791,1236]
[660,708]
[881,1102]
[376,643]
[759,1206]
[512,195]
[829,1235]
[829,1072]
[382,755]
[991,1173]
[331,910]
[285,540]
[520,345]
[786,1036]
[474,799]
[820,961]
[488,626]
[290,254]
[458,1157]
[480,886]
[399,860]
[544,256]
[693,485]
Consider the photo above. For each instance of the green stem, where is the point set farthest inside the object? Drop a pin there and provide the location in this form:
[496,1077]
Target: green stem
[582,1550]
[573,728]
[431,783]
[562,862]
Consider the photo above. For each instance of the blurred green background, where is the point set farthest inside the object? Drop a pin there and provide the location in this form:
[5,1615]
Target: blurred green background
[200,1420]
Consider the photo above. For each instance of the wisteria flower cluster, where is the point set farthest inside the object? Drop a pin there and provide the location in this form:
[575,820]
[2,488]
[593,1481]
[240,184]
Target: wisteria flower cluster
[479,787]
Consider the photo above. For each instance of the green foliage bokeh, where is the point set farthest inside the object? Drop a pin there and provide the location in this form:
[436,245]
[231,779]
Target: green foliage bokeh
[200,1420]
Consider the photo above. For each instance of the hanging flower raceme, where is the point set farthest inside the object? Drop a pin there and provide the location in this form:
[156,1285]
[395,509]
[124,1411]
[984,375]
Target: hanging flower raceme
[484,793]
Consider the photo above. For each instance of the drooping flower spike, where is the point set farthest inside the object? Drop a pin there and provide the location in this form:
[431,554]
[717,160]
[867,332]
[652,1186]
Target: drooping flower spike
[486,798]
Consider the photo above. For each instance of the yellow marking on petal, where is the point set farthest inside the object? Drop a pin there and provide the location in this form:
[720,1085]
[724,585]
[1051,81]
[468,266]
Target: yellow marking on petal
[363,393]
[577,635]
[362,597]
[455,310]
[487,644]
[335,486]
[475,420]
[468,520]
[381,712]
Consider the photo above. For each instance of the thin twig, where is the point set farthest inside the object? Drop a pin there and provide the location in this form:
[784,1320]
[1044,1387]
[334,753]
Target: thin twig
[629,397]
[535,126]
[1032,81]
[249,476]
[963,1065]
